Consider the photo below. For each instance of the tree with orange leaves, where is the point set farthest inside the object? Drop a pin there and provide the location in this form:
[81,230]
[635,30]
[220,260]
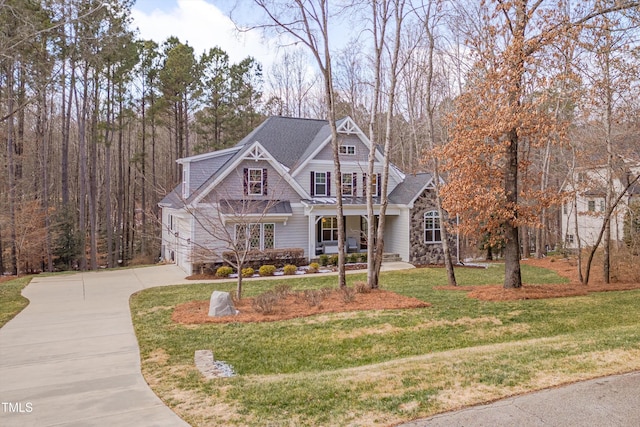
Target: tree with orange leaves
[502,109]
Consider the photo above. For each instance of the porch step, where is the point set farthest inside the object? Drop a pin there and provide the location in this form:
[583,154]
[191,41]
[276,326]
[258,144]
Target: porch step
[387,257]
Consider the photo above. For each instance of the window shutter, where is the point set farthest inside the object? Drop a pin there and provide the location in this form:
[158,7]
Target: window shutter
[246,182]
[379,185]
[264,181]
[364,185]
[312,184]
[354,183]
[328,183]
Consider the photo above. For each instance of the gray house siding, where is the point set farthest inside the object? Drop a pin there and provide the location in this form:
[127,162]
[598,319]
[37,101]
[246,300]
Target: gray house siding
[360,169]
[295,233]
[361,155]
[211,239]
[232,186]
[396,234]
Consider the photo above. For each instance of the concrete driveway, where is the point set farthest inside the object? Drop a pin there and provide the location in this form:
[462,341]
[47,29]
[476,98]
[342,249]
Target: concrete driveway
[71,357]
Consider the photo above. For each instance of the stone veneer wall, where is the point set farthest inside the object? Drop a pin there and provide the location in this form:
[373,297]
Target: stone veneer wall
[421,253]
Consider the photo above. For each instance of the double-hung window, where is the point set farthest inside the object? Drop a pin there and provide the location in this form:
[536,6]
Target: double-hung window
[432,227]
[347,184]
[255,182]
[320,184]
[374,184]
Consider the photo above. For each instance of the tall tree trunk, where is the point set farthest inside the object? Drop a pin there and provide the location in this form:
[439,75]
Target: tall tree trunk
[11,170]
[66,128]
[606,268]
[512,276]
[19,139]
[516,66]
[143,193]
[444,232]
[41,130]
[81,112]
[93,181]
[120,194]
[372,280]
[108,137]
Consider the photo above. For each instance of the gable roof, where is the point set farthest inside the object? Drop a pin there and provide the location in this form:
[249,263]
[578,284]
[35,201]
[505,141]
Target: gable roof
[408,190]
[286,138]
[254,150]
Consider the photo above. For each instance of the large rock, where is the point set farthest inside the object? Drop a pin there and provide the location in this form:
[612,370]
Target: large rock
[221,304]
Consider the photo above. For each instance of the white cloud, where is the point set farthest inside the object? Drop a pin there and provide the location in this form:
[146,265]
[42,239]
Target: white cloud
[203,26]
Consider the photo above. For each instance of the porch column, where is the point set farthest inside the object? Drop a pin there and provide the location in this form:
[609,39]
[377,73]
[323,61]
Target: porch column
[312,236]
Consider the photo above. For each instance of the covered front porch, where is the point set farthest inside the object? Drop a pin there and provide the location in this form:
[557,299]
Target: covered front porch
[323,227]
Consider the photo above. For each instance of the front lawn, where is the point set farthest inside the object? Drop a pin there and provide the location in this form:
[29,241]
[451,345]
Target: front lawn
[11,300]
[383,367]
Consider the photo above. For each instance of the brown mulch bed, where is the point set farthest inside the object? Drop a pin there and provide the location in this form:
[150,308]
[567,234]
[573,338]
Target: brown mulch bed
[295,306]
[564,267]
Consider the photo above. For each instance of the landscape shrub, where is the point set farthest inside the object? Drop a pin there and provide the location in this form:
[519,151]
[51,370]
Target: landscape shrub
[361,287]
[266,303]
[248,272]
[348,294]
[267,270]
[277,257]
[290,269]
[326,291]
[313,297]
[314,267]
[282,290]
[324,260]
[353,258]
[363,257]
[333,260]
[224,271]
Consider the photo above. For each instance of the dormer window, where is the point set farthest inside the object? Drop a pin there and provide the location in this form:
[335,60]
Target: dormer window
[255,182]
[349,150]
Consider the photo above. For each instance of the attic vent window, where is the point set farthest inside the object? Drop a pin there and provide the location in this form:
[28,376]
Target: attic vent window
[349,150]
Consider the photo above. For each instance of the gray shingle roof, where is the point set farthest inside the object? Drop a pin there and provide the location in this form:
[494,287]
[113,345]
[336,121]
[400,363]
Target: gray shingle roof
[201,171]
[172,200]
[410,188]
[288,139]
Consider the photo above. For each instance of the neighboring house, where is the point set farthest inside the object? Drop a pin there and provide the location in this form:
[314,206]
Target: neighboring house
[279,183]
[589,185]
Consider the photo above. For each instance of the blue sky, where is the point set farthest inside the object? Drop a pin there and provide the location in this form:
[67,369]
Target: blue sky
[203,24]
